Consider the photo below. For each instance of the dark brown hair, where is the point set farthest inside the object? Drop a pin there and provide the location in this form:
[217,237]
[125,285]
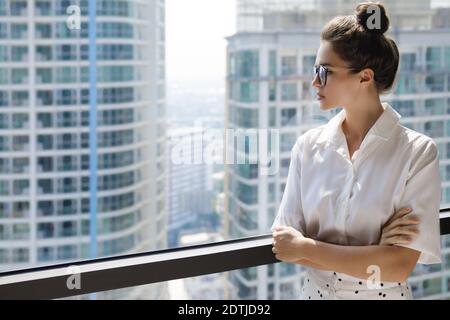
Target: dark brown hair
[355,42]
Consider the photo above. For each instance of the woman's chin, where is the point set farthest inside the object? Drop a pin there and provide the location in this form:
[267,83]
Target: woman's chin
[324,106]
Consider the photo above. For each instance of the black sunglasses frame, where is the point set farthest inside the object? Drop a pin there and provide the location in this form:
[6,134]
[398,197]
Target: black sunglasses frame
[322,72]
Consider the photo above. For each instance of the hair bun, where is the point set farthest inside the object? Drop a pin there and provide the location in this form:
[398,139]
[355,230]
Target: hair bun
[367,18]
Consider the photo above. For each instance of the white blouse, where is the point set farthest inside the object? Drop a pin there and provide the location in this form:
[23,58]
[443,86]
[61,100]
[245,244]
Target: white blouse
[332,198]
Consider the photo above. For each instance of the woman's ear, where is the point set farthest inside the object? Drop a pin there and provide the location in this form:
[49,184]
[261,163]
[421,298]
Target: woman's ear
[366,76]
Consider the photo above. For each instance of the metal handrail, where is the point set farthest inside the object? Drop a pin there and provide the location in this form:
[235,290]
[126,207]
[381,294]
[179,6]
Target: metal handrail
[50,282]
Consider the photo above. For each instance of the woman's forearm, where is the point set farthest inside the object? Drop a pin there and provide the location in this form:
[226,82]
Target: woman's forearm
[311,264]
[395,263]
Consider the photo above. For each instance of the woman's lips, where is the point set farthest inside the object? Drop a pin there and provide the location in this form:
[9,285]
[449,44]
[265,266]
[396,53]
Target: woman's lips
[320,97]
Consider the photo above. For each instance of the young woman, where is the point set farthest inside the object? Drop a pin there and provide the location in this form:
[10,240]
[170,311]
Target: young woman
[361,204]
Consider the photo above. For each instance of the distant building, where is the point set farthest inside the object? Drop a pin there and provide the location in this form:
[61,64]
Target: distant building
[207,287]
[44,131]
[189,181]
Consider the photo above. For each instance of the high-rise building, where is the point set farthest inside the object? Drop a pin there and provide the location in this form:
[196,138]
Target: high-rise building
[270,63]
[46,76]
[189,181]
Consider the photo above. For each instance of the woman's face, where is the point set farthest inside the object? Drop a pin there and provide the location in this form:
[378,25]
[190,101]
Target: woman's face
[342,86]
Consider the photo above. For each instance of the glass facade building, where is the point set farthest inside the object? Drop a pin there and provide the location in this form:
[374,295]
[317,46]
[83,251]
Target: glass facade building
[44,130]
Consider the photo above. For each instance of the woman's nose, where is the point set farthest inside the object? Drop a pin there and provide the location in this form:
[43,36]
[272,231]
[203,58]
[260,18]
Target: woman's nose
[315,82]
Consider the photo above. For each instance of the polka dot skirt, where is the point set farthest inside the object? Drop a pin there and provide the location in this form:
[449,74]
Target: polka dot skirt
[335,286]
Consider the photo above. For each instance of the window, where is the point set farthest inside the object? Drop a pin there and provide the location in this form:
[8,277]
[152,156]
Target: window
[3,31]
[20,98]
[4,121]
[67,229]
[4,99]
[434,58]
[20,255]
[246,64]
[406,84]
[289,92]
[115,30]
[19,53]
[405,108]
[432,286]
[43,53]
[21,187]
[43,30]
[66,97]
[245,91]
[308,64]
[289,66]
[21,231]
[19,76]
[246,193]
[19,121]
[435,106]
[407,62]
[19,31]
[3,10]
[112,52]
[289,117]
[4,77]
[435,83]
[67,252]
[272,91]
[434,129]
[248,171]
[43,8]
[46,254]
[273,63]
[447,57]
[45,142]
[18,8]
[45,164]
[287,141]
[66,75]
[115,74]
[44,98]
[44,75]
[4,56]
[66,52]
[245,117]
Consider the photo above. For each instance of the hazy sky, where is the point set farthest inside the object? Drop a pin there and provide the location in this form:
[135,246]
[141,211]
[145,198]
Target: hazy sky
[195,31]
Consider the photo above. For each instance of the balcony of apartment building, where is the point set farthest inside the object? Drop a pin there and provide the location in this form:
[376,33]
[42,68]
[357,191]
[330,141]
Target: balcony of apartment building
[148,267]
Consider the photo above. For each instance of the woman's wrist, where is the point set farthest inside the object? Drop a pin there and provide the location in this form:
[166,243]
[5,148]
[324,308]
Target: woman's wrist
[305,248]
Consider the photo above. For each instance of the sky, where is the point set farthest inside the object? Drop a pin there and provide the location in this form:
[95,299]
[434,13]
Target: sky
[195,32]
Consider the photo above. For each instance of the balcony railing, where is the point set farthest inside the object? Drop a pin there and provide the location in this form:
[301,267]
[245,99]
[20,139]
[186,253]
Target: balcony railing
[111,273]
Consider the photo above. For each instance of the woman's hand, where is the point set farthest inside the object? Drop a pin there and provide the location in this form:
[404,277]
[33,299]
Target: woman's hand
[400,229]
[287,244]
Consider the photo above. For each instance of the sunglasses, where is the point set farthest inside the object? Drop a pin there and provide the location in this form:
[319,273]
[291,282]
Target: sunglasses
[321,72]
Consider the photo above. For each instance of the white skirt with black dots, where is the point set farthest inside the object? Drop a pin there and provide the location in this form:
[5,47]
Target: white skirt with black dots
[329,285]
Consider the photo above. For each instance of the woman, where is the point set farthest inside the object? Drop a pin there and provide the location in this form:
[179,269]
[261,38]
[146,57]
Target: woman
[344,213]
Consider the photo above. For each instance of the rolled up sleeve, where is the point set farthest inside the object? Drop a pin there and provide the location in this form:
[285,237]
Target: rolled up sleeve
[423,194]
[290,212]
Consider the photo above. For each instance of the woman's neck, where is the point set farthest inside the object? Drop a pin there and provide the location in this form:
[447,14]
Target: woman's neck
[359,119]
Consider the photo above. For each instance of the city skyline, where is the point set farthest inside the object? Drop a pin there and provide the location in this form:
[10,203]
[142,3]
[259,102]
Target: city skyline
[187,63]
